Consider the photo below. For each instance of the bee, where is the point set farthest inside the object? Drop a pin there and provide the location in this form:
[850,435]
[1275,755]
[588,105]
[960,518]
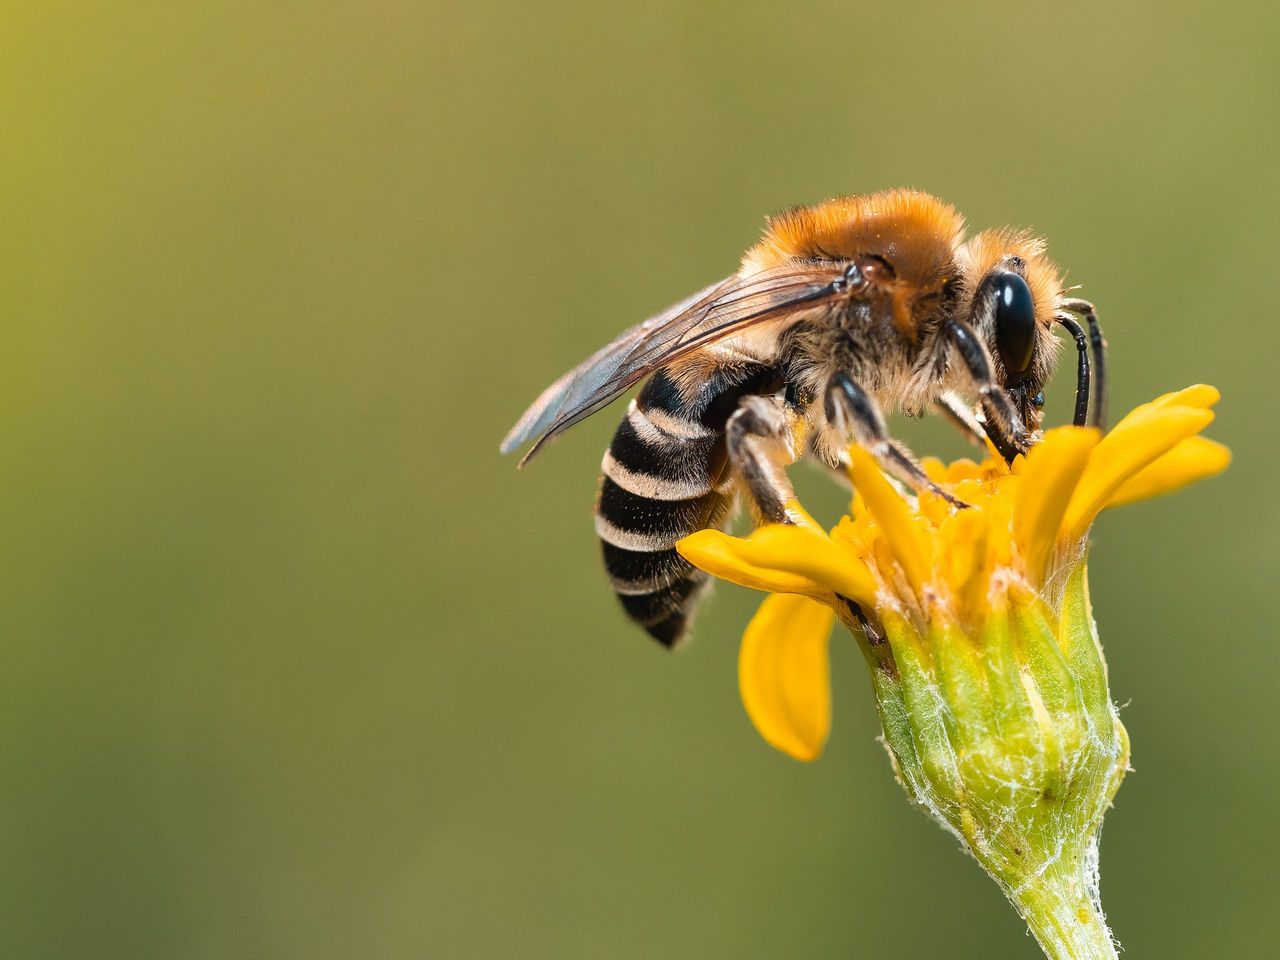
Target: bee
[842,312]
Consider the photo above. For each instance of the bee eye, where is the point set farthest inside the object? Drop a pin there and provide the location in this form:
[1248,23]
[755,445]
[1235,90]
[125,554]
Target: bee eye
[1015,323]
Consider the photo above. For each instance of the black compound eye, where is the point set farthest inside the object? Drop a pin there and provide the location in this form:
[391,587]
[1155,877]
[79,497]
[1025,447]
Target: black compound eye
[1015,323]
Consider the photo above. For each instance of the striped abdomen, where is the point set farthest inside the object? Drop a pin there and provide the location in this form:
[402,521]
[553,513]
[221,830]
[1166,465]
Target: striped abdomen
[665,477]
[658,486]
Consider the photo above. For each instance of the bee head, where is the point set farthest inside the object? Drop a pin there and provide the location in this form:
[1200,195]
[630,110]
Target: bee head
[1012,293]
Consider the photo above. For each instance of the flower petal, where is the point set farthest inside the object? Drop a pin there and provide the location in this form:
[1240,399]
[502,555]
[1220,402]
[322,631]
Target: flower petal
[963,557]
[1049,477]
[907,540]
[1193,459]
[784,674]
[814,556]
[1126,451]
[1200,395]
[726,557]
[1197,395]
[801,516]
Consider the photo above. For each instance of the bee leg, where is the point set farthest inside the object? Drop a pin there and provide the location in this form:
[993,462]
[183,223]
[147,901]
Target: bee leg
[1099,343]
[960,416]
[1004,426]
[839,470]
[850,410]
[759,441]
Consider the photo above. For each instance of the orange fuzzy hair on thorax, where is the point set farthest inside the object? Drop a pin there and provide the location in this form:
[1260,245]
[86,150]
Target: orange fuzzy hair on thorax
[915,232]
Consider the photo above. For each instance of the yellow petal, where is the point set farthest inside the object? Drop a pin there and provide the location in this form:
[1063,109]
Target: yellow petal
[1049,477]
[801,516]
[999,513]
[784,674]
[964,469]
[1125,452]
[934,469]
[963,557]
[906,539]
[1195,458]
[1200,395]
[813,556]
[724,556]
[1197,395]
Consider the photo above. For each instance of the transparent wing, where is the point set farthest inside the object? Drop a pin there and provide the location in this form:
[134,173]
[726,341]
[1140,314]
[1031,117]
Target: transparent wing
[598,369]
[718,311]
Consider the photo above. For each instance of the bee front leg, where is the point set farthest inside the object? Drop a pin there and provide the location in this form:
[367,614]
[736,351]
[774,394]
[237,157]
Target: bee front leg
[851,410]
[760,445]
[1004,426]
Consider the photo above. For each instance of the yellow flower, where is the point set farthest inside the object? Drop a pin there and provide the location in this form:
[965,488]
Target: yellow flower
[977,630]
[1025,531]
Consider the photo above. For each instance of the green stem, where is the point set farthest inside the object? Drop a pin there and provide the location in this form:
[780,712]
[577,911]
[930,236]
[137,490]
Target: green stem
[1062,910]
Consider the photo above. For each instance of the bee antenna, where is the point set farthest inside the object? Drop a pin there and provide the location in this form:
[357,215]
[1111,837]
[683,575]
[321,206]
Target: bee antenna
[1098,342]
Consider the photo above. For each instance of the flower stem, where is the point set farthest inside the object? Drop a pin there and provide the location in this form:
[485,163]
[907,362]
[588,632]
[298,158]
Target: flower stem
[1062,909]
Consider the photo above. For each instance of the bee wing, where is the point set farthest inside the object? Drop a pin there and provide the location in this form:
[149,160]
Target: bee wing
[718,311]
[598,369]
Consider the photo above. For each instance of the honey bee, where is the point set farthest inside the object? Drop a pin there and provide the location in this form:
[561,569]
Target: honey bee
[842,312]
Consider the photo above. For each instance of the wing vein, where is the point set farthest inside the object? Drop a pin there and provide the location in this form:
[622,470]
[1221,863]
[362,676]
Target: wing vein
[713,313]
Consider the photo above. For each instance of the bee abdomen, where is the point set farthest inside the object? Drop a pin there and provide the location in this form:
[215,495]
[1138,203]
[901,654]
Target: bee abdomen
[659,485]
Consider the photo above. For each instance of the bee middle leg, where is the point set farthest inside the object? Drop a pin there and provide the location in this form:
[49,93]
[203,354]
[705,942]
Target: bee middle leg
[759,441]
[960,416]
[851,409]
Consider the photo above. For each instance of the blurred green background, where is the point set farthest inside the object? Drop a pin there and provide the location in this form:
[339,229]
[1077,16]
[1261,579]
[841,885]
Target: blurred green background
[295,665]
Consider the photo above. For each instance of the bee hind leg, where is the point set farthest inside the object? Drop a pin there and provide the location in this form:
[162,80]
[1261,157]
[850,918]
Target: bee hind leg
[760,445]
[850,409]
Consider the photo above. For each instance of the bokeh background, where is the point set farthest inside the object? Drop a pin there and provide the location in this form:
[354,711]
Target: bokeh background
[295,665]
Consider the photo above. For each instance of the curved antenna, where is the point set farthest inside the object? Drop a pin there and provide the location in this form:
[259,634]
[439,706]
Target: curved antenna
[1096,340]
[1082,367]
